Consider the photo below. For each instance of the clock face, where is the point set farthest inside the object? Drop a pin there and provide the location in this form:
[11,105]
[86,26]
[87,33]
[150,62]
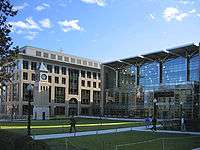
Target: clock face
[43,76]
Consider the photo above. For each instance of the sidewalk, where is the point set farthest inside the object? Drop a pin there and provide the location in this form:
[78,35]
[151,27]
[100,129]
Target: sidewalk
[98,132]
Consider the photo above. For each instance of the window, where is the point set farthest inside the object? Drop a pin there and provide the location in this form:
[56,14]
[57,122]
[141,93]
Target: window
[96,97]
[84,111]
[96,64]
[85,97]
[88,74]
[59,110]
[25,93]
[33,77]
[82,83]
[88,84]
[46,55]
[33,65]
[25,64]
[66,59]
[49,94]
[60,58]
[73,60]
[57,80]
[57,69]
[85,63]
[90,63]
[82,74]
[73,81]
[63,80]
[99,85]
[38,53]
[59,95]
[49,79]
[94,75]
[78,61]
[94,85]
[49,68]
[53,56]
[99,76]
[64,70]
[25,76]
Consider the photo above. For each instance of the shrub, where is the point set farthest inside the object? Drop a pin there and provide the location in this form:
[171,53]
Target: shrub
[13,141]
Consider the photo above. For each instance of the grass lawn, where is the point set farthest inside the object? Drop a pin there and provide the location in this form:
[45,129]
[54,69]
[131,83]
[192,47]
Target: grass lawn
[109,142]
[61,126]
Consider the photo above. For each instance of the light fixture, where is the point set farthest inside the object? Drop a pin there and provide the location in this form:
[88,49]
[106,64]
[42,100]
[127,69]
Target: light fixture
[166,51]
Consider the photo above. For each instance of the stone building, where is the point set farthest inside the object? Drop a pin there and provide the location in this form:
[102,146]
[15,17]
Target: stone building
[63,84]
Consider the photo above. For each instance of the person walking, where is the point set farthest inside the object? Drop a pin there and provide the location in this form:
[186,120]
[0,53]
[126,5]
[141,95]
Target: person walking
[147,122]
[72,123]
[154,122]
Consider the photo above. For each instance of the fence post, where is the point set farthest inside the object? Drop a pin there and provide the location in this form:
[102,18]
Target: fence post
[163,144]
[66,143]
[116,148]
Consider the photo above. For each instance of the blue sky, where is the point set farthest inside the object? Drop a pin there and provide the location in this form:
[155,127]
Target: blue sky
[106,30]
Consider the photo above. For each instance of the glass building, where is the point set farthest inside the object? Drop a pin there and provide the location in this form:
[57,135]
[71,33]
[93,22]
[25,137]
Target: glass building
[171,76]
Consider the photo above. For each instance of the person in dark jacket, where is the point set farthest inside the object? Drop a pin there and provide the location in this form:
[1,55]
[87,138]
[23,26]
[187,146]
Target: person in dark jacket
[72,123]
[154,122]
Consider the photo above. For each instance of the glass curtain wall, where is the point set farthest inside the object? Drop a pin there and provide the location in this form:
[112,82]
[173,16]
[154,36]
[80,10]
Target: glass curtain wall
[194,68]
[149,75]
[174,71]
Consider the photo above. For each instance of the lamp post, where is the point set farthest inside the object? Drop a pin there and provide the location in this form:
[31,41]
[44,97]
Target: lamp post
[181,104]
[29,90]
[182,117]
[154,114]
[197,116]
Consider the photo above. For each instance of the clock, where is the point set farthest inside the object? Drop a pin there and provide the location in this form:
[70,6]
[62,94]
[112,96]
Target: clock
[44,77]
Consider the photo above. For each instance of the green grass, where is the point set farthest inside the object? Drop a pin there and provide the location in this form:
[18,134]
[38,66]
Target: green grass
[61,126]
[109,142]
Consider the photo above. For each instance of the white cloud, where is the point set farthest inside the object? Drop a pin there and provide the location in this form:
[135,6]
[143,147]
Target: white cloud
[28,24]
[171,13]
[192,11]
[185,2]
[70,25]
[31,35]
[98,2]
[46,23]
[198,15]
[181,16]
[42,6]
[152,16]
[20,7]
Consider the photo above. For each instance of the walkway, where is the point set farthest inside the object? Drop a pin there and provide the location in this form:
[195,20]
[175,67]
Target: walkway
[98,132]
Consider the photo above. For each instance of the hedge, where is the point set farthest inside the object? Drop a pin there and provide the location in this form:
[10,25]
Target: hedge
[13,141]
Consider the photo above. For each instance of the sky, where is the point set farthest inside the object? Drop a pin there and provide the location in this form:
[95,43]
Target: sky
[105,30]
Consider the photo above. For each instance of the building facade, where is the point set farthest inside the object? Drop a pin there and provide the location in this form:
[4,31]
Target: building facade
[62,85]
[171,76]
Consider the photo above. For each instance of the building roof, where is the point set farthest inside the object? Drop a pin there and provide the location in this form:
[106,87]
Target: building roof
[183,51]
[59,56]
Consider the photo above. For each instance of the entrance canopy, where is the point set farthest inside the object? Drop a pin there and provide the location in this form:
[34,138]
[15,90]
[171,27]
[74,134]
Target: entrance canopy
[183,51]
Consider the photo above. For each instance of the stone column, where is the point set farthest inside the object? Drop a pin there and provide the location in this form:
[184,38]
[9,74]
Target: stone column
[117,78]
[161,72]
[102,90]
[138,75]
[188,67]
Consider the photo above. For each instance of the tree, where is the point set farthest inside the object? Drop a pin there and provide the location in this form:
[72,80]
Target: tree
[8,54]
